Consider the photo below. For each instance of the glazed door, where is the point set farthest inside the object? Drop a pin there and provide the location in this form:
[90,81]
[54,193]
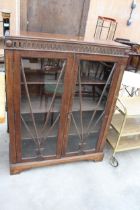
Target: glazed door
[42,99]
[90,98]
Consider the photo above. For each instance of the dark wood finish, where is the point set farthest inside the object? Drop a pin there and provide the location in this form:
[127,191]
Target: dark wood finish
[10,96]
[133,63]
[60,16]
[25,166]
[108,60]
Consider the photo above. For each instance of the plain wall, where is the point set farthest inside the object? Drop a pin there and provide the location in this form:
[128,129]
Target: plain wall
[119,10]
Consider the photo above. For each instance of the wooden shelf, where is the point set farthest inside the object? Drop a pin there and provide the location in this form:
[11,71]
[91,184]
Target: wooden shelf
[132,125]
[44,70]
[38,81]
[88,104]
[40,76]
[126,143]
[26,136]
[72,132]
[93,81]
[39,106]
[36,78]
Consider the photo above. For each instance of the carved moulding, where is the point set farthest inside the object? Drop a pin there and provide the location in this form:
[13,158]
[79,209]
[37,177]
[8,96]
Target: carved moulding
[62,46]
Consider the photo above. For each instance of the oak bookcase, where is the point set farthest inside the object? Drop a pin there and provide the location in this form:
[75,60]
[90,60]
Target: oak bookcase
[61,93]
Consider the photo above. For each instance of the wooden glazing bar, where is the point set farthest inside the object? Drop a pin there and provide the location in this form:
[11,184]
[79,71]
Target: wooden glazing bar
[77,130]
[31,111]
[100,117]
[88,127]
[81,113]
[53,98]
[50,129]
[28,129]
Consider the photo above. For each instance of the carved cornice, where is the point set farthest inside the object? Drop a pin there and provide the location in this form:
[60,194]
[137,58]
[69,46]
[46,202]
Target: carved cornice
[63,46]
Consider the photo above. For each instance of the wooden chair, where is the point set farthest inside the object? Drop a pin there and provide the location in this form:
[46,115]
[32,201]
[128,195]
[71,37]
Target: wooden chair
[105,28]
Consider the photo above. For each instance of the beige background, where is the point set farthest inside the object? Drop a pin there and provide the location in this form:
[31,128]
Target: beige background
[118,9]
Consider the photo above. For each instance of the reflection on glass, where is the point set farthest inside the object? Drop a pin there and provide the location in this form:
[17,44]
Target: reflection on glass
[91,91]
[41,93]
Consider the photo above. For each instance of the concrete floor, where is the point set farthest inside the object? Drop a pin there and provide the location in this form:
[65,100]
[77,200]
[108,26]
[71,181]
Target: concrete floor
[76,186]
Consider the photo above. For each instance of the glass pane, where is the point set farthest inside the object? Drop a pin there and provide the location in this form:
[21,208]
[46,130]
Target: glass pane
[91,91]
[42,86]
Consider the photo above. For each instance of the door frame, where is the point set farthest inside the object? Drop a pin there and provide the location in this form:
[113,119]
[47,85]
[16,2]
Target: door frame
[110,103]
[17,55]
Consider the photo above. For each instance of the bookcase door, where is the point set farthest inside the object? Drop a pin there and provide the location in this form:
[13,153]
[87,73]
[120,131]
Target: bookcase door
[92,87]
[39,104]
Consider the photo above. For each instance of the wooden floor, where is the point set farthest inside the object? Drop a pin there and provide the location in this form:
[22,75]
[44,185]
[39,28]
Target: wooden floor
[2,97]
